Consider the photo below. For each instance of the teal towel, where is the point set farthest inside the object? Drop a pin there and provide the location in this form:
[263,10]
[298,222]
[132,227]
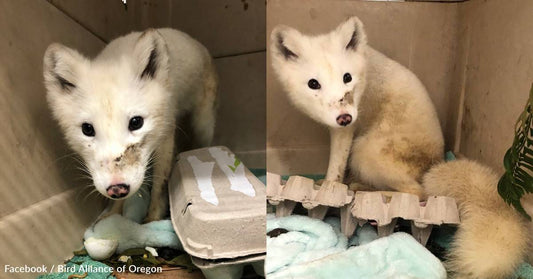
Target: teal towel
[317,249]
[133,235]
[307,239]
[136,206]
[364,235]
[260,173]
[524,271]
[394,257]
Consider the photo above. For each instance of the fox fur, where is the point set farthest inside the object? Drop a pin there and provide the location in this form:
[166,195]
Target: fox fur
[492,239]
[395,135]
[157,75]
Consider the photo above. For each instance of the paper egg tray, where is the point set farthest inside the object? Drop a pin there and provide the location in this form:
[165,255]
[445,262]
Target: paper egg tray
[358,208]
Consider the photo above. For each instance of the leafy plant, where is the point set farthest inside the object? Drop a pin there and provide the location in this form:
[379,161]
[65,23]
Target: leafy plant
[141,257]
[518,161]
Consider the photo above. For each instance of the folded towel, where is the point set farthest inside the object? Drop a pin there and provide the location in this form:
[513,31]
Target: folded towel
[307,239]
[130,234]
[316,249]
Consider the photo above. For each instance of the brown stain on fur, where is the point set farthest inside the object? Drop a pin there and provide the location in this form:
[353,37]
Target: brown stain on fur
[130,156]
[416,152]
[347,98]
[377,111]
[418,157]
[393,112]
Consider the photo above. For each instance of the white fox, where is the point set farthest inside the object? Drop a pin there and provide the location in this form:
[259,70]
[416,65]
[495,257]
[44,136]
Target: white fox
[119,110]
[379,114]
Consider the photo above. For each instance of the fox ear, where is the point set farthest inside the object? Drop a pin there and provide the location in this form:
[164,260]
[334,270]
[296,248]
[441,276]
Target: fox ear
[284,42]
[61,67]
[352,33]
[151,56]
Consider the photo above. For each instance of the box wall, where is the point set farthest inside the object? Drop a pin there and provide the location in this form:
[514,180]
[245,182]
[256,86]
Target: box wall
[498,72]
[44,209]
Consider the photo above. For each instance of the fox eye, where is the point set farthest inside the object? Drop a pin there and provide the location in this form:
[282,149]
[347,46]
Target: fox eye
[347,78]
[313,84]
[87,129]
[136,123]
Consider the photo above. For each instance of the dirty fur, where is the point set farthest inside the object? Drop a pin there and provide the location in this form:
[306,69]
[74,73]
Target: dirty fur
[492,239]
[395,135]
[159,75]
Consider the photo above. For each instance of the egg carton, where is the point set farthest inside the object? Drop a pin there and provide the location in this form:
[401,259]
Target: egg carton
[383,208]
[218,210]
[316,199]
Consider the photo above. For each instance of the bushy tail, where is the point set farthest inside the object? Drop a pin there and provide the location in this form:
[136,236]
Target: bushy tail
[492,239]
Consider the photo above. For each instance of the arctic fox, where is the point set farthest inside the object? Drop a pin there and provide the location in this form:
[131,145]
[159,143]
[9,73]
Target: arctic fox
[379,114]
[119,110]
[492,239]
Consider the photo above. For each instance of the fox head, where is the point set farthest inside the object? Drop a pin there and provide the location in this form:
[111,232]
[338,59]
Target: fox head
[323,75]
[113,112]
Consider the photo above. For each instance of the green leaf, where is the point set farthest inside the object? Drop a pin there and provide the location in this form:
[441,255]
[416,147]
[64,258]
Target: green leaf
[504,188]
[518,161]
[235,165]
[183,260]
[150,259]
[81,252]
[507,159]
[134,252]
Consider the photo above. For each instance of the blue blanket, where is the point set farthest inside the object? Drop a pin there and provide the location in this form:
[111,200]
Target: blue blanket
[315,249]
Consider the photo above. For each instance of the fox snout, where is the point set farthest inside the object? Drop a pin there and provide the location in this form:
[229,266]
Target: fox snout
[118,191]
[117,175]
[344,119]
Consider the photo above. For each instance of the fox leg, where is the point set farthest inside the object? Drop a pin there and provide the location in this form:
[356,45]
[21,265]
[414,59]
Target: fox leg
[164,157]
[115,208]
[340,145]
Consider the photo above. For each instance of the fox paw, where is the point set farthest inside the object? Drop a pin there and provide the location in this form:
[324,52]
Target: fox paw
[155,213]
[149,219]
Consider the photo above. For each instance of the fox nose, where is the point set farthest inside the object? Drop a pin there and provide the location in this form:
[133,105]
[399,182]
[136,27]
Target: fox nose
[118,191]
[344,119]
